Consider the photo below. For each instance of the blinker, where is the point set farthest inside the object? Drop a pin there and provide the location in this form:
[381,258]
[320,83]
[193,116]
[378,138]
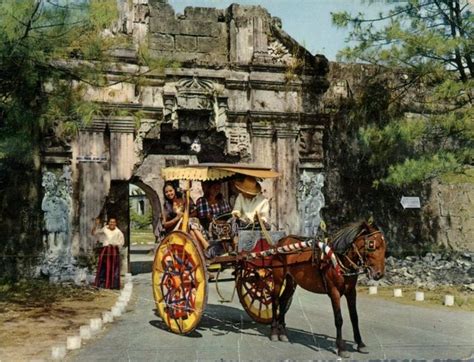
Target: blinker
[370,245]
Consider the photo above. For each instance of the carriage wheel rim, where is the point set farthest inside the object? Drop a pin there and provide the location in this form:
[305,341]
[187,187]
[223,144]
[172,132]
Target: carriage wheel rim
[179,282]
[255,293]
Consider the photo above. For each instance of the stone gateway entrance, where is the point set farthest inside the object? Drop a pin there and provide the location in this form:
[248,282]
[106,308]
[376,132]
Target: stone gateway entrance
[244,91]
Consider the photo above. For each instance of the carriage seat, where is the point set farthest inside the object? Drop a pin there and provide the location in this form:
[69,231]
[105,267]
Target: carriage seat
[248,239]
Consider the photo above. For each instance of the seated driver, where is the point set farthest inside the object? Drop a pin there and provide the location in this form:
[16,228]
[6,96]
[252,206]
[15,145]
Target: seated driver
[249,202]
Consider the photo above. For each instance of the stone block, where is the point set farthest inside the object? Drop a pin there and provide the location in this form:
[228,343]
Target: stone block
[164,25]
[162,42]
[248,11]
[204,14]
[161,9]
[202,28]
[212,45]
[186,43]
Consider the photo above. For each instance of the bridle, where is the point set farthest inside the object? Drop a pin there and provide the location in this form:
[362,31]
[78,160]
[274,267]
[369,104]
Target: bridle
[360,266]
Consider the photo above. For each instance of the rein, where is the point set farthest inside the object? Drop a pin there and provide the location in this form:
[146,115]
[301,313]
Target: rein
[361,266]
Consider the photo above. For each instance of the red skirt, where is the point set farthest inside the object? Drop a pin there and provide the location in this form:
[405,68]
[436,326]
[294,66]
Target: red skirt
[108,268]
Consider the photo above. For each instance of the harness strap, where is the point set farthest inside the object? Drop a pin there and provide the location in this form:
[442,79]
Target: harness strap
[298,246]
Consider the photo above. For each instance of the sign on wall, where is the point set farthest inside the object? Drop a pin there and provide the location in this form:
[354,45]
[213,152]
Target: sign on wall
[410,202]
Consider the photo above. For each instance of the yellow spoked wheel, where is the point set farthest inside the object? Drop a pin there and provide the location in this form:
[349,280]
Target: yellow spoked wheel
[179,282]
[254,288]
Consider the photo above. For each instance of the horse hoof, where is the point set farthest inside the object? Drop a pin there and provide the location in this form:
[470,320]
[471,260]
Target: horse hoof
[362,348]
[283,338]
[343,354]
[274,338]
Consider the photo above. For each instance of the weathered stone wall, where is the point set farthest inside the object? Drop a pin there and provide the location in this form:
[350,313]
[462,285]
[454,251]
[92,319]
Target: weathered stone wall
[446,213]
[21,238]
[199,35]
[451,207]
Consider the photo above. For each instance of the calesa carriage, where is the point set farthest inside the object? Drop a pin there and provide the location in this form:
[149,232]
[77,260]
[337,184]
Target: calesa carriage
[181,271]
[267,265]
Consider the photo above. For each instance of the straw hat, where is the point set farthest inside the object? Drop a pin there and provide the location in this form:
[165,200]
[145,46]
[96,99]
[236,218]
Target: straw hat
[248,185]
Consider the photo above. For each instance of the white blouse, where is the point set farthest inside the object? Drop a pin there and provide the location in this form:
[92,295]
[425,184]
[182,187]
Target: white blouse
[110,237]
[245,208]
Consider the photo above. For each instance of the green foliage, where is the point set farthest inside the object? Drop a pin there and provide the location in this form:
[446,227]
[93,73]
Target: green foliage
[141,221]
[53,52]
[38,88]
[414,170]
[425,49]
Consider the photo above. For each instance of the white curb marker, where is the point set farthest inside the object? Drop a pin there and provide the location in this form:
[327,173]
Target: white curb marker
[449,300]
[419,296]
[85,332]
[373,290]
[73,342]
[95,324]
[397,293]
[116,312]
[107,317]
[58,352]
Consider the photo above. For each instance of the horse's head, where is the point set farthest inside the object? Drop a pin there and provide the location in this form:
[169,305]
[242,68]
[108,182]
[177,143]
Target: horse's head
[370,245]
[361,246]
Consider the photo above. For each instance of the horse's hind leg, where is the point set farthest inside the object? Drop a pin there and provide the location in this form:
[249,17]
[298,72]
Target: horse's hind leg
[277,284]
[351,297]
[336,307]
[285,300]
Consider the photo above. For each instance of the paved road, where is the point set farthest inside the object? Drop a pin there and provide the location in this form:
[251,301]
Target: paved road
[391,330]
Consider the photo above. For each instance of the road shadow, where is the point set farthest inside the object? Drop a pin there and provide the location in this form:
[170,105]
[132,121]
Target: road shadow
[220,320]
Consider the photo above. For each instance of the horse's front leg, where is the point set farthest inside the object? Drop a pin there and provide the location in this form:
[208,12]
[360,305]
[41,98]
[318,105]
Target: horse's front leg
[285,300]
[351,296]
[336,307]
[274,333]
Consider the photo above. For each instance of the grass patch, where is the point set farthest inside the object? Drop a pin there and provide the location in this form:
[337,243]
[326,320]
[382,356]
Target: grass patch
[142,237]
[38,292]
[433,298]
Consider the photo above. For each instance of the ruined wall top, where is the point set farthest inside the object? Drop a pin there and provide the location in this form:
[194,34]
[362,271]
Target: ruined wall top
[239,35]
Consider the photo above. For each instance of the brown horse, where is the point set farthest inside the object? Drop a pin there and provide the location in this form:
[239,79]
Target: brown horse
[359,247]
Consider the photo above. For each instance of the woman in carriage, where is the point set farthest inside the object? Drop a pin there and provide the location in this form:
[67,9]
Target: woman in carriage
[173,211]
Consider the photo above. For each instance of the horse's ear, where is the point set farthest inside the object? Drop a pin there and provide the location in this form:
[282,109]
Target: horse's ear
[370,221]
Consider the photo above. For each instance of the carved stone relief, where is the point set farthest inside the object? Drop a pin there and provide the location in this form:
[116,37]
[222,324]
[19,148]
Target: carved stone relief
[238,143]
[279,53]
[170,109]
[310,148]
[145,127]
[310,201]
[58,262]
[188,100]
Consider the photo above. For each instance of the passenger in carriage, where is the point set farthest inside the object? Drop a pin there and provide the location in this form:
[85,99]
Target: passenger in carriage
[212,204]
[250,202]
[173,211]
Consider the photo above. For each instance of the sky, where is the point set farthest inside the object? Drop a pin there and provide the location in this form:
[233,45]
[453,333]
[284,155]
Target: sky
[307,21]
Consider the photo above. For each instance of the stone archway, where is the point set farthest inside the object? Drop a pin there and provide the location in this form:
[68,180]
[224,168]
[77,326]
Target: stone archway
[153,199]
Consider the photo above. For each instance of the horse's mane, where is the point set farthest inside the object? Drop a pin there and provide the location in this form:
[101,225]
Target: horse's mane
[343,239]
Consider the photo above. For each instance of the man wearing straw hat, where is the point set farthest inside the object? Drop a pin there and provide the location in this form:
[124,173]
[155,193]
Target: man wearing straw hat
[250,202]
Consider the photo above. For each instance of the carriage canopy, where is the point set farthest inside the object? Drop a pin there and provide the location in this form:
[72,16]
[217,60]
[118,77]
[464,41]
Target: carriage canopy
[216,171]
